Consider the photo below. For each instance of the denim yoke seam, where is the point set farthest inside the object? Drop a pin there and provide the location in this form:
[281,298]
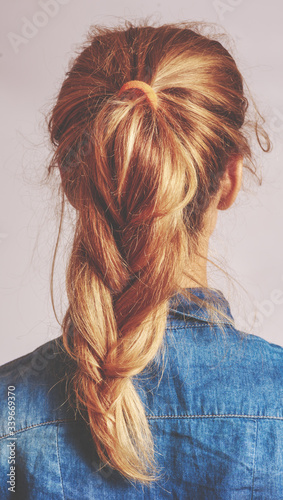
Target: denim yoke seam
[58,456]
[63,420]
[227,415]
[254,460]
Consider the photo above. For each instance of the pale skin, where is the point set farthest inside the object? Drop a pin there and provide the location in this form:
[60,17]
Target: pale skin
[225,197]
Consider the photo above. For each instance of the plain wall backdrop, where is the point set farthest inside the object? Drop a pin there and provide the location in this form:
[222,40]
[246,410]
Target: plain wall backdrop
[38,38]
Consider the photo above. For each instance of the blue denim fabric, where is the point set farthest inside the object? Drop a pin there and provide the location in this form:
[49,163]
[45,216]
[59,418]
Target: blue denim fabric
[216,418]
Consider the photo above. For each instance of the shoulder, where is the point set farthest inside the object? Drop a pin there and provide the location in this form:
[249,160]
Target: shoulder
[35,384]
[215,369]
[36,365]
[222,337]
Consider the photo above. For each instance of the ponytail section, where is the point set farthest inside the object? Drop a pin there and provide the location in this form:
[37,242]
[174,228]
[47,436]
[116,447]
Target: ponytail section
[140,181]
[125,262]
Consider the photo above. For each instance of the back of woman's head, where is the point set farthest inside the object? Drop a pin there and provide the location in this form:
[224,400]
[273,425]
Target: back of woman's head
[140,179]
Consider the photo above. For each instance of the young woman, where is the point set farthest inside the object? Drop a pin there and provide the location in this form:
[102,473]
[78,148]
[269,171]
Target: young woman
[150,391]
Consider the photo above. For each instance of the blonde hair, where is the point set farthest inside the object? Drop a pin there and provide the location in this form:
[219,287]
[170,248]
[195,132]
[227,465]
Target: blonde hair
[140,181]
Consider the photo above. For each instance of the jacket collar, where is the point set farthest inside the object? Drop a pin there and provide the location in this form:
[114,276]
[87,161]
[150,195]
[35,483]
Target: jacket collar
[182,306]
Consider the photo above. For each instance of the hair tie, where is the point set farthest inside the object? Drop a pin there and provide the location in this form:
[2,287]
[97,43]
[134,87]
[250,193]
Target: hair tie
[144,87]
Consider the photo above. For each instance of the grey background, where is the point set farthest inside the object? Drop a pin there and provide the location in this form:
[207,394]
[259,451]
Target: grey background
[247,242]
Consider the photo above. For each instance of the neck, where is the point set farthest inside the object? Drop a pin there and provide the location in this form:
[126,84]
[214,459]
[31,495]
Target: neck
[197,268]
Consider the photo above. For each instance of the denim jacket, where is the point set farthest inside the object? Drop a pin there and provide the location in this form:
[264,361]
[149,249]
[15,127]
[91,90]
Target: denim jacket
[216,417]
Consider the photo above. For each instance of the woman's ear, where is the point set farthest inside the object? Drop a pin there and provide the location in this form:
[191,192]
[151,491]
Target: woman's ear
[230,182]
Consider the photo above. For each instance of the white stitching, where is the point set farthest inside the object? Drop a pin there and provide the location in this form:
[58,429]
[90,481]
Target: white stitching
[254,461]
[213,416]
[58,455]
[228,415]
[38,425]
